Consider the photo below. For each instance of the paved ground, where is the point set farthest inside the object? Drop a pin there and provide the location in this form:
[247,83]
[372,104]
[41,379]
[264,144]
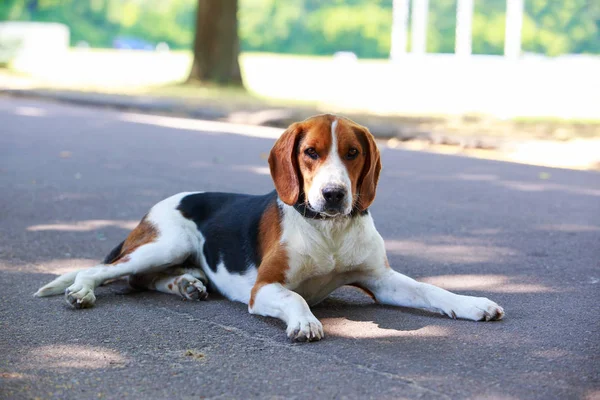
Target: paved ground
[73,180]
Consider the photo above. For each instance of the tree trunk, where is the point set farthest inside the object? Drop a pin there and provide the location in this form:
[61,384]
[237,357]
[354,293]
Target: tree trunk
[216,44]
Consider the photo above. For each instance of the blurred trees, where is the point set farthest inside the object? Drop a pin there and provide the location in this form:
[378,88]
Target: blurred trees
[550,27]
[99,22]
[216,45]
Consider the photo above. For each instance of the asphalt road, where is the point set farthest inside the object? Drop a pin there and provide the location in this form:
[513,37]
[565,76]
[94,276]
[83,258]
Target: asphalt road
[73,180]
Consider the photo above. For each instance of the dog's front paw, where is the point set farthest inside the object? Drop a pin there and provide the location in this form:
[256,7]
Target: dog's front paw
[79,296]
[305,328]
[475,309]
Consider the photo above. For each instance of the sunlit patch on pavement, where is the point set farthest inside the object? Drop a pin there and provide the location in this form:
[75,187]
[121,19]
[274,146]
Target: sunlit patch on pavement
[84,226]
[209,127]
[592,395]
[64,357]
[63,265]
[255,169]
[485,283]
[252,168]
[368,329]
[448,251]
[14,375]
[56,266]
[568,228]
[477,177]
[30,111]
[551,354]
[548,187]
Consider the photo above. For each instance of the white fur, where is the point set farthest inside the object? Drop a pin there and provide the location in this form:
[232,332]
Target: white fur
[391,287]
[235,287]
[325,254]
[58,285]
[274,300]
[177,239]
[332,172]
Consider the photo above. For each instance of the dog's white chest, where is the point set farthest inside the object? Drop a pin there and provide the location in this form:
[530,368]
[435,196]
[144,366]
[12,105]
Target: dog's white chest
[320,252]
[304,266]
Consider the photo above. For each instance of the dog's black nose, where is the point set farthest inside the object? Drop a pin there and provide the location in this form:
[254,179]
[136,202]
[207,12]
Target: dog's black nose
[334,196]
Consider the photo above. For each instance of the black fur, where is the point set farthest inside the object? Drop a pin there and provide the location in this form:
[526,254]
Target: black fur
[229,223]
[114,253]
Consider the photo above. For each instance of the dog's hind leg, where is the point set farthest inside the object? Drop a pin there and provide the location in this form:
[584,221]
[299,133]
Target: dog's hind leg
[188,283]
[156,244]
[162,239]
[58,285]
[148,258]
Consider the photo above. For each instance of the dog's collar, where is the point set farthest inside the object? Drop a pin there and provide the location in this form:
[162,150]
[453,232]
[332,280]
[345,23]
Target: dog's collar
[307,212]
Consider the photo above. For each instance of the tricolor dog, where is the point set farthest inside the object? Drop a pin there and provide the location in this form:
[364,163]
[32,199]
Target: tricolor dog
[281,252]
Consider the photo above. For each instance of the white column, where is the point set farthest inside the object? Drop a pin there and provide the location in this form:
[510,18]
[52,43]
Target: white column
[399,29]
[514,24]
[464,27]
[420,9]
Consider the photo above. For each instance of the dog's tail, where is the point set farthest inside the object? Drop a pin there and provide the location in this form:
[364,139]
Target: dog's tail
[58,285]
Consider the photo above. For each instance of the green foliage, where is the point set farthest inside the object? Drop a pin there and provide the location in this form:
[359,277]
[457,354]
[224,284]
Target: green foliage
[441,26]
[550,27]
[310,27]
[98,22]
[558,27]
[8,49]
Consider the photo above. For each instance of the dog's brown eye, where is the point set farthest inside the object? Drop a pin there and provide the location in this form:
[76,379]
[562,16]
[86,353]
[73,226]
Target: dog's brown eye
[352,154]
[312,153]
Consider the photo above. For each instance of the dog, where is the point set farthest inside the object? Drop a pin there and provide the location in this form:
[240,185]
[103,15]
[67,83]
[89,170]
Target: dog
[279,253]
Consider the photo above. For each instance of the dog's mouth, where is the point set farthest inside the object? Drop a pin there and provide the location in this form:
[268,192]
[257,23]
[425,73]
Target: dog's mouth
[306,209]
[324,213]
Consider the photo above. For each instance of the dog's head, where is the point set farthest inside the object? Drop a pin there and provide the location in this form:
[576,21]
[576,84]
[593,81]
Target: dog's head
[329,163]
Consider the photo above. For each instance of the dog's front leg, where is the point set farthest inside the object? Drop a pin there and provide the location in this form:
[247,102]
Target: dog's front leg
[393,288]
[274,300]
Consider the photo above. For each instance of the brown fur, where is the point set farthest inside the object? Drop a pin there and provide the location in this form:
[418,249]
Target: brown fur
[273,254]
[293,171]
[316,135]
[284,167]
[348,139]
[367,182]
[142,234]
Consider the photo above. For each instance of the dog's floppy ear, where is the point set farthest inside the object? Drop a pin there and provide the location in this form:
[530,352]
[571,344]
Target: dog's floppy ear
[284,165]
[367,182]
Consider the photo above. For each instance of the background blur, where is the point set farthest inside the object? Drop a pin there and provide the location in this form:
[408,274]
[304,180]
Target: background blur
[314,27]
[529,67]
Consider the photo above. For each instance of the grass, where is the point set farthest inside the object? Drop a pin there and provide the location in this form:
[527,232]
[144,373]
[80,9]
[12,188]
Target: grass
[553,120]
